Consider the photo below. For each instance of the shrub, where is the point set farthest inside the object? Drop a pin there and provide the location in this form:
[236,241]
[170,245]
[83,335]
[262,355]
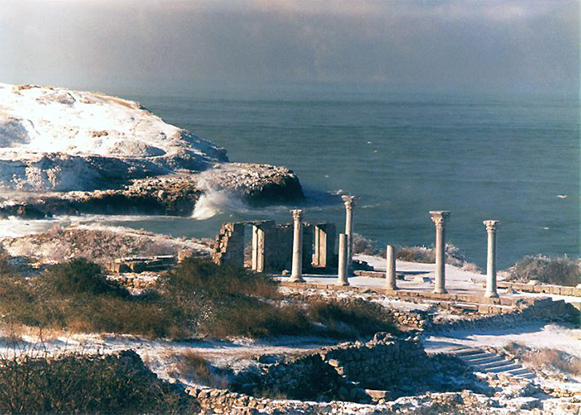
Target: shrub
[197,298]
[551,359]
[552,270]
[350,318]
[5,266]
[217,300]
[196,368]
[76,383]
[426,255]
[81,276]
[362,245]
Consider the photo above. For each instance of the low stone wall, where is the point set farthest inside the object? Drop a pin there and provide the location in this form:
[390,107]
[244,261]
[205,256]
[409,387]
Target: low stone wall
[220,401]
[379,363]
[541,288]
[349,372]
[142,281]
[542,309]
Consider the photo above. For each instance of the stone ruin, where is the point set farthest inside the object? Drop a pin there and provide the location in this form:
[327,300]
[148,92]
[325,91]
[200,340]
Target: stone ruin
[272,245]
[141,264]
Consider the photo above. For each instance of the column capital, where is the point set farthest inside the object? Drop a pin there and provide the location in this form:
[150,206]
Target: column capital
[297,214]
[491,225]
[440,217]
[349,201]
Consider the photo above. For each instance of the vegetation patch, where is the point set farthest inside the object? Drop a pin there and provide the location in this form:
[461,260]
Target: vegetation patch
[194,367]
[197,298]
[83,384]
[550,270]
[548,359]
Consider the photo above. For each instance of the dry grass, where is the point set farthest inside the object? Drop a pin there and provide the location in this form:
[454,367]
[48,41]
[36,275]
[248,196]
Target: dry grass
[198,298]
[194,367]
[356,318]
[547,359]
[426,255]
[97,245]
[35,383]
[551,270]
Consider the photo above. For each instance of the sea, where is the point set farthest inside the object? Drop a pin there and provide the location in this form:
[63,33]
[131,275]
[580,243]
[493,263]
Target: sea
[510,157]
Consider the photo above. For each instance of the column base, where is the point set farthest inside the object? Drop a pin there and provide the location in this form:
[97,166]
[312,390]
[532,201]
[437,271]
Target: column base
[391,288]
[491,295]
[296,278]
[343,283]
[440,291]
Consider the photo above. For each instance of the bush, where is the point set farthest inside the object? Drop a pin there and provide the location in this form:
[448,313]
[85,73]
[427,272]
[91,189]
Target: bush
[550,359]
[551,270]
[76,383]
[197,298]
[362,245]
[350,318]
[196,368]
[426,255]
[81,276]
[5,266]
[77,296]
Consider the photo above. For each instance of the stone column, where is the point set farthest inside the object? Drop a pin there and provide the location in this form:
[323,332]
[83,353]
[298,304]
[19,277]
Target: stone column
[491,259]
[349,204]
[297,265]
[390,268]
[440,219]
[342,269]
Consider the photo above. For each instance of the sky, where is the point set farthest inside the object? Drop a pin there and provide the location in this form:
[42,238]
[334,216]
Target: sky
[504,45]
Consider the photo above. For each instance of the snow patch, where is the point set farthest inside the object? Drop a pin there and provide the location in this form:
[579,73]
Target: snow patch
[59,139]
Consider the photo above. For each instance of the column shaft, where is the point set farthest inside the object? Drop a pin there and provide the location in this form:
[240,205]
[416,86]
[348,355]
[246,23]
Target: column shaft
[390,268]
[349,204]
[297,264]
[440,218]
[342,268]
[491,291]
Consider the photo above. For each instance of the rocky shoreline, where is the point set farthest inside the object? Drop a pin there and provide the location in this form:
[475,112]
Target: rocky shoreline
[174,194]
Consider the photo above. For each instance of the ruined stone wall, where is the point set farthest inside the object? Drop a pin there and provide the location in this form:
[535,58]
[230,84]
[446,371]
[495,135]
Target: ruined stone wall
[379,363]
[272,250]
[229,245]
[339,372]
[220,401]
[278,248]
[542,309]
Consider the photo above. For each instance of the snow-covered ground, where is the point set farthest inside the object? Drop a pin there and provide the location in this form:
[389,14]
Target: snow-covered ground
[537,335]
[419,276]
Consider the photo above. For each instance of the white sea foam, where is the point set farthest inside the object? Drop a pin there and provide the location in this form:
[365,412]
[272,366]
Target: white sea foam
[215,202]
[14,227]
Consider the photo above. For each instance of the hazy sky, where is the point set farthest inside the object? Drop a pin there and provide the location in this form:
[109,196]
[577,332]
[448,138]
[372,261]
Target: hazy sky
[519,45]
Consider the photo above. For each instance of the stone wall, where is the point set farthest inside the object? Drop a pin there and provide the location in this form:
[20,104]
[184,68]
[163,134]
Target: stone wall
[272,245]
[220,401]
[229,245]
[541,309]
[340,372]
[541,288]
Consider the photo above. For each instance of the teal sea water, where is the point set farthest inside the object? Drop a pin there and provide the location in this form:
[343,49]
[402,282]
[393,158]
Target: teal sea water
[515,159]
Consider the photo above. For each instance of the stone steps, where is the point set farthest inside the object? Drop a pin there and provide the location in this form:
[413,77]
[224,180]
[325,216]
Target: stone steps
[486,362]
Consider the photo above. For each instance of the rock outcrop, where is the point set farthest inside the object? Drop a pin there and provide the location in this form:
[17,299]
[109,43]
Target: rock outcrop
[69,152]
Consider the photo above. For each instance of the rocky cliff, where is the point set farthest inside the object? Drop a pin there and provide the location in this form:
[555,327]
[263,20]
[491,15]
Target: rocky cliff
[64,151]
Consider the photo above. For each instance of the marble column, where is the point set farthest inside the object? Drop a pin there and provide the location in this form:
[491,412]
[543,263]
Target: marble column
[349,204]
[440,219]
[390,268]
[297,264]
[491,259]
[342,269]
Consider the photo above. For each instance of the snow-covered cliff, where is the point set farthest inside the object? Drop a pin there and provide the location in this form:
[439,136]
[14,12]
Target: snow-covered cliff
[59,139]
